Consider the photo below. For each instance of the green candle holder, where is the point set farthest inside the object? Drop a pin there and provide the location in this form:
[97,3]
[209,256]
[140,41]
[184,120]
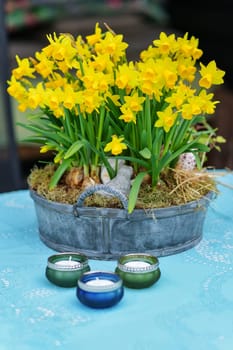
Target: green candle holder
[138,270]
[65,269]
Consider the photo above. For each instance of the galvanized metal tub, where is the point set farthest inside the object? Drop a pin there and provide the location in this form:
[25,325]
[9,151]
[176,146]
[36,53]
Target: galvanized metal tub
[107,233]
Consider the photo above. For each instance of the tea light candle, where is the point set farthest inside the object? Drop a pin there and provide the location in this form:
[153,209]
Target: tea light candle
[137,264]
[99,283]
[138,270]
[65,269]
[68,264]
[99,289]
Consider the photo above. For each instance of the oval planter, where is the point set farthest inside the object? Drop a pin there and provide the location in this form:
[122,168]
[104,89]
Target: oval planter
[107,233]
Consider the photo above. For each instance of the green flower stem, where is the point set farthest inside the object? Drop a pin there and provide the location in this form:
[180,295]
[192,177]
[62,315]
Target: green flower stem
[181,133]
[148,122]
[94,171]
[76,127]
[85,152]
[81,66]
[168,139]
[134,144]
[90,133]
[156,154]
[99,134]
[86,170]
[68,124]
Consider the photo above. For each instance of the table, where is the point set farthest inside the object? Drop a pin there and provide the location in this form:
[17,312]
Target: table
[190,307]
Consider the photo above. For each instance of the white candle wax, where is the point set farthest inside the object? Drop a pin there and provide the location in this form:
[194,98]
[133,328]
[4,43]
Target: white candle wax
[66,263]
[99,283]
[137,264]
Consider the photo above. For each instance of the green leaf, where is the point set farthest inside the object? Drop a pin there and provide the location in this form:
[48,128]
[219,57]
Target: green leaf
[220,139]
[110,170]
[198,120]
[164,161]
[75,147]
[201,147]
[68,124]
[133,195]
[198,161]
[113,108]
[59,172]
[157,143]
[34,139]
[141,162]
[35,115]
[143,138]
[48,135]
[217,148]
[145,153]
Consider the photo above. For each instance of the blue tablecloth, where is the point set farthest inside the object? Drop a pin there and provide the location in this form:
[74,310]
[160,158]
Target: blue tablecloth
[190,307]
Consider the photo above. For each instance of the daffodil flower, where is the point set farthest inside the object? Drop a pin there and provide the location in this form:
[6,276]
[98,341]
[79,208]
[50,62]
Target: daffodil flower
[116,146]
[83,91]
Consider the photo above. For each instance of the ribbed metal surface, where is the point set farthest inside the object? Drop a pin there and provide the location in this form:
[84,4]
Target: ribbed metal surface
[106,233]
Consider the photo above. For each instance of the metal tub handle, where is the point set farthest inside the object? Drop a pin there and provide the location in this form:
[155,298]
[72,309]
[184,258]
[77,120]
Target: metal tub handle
[112,191]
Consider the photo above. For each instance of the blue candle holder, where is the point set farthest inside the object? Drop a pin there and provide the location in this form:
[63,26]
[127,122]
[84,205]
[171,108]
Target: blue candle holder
[65,269]
[99,289]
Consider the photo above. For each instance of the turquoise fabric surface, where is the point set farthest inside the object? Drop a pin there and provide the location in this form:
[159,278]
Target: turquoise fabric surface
[190,307]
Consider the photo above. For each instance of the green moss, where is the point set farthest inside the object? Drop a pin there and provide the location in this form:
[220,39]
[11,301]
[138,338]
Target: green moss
[175,188]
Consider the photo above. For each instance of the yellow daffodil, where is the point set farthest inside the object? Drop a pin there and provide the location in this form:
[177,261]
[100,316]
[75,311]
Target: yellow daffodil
[166,43]
[24,69]
[210,75]
[134,102]
[116,146]
[189,47]
[94,38]
[45,148]
[112,45]
[206,101]
[35,96]
[84,91]
[102,63]
[166,119]
[191,108]
[126,76]
[127,115]
[186,69]
[179,96]
[45,66]
[16,89]
[70,97]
